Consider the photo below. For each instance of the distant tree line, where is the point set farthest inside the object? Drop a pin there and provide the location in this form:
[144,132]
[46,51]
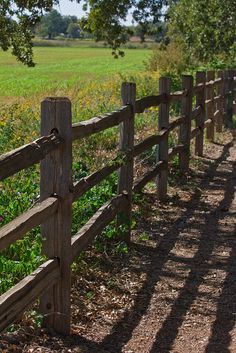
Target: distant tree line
[53,24]
[206,29]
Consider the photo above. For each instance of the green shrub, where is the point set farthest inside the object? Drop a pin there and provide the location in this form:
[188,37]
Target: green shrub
[168,59]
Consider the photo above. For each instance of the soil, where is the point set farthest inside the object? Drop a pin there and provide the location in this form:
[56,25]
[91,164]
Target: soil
[175,291]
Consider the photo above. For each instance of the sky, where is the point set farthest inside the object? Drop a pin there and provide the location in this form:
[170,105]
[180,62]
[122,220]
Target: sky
[67,7]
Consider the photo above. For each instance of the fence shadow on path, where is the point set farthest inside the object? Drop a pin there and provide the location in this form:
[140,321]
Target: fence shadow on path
[199,268]
[205,106]
[225,318]
[167,334]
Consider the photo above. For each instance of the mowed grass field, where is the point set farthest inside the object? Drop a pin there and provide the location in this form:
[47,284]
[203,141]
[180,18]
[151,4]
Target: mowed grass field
[59,69]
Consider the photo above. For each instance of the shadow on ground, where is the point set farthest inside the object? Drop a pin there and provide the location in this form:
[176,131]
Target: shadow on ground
[203,260]
[199,265]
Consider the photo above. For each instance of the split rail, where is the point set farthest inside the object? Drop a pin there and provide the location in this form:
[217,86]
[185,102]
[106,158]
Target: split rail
[207,104]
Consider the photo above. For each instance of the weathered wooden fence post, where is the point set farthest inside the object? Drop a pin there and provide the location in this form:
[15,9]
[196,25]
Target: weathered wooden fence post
[227,98]
[125,183]
[210,131]
[224,102]
[234,92]
[162,149]
[220,104]
[185,128]
[200,100]
[56,179]
[229,107]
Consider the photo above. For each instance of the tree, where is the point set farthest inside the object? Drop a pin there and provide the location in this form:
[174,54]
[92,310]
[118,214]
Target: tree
[156,31]
[73,30]
[51,25]
[103,19]
[17,18]
[207,27]
[142,30]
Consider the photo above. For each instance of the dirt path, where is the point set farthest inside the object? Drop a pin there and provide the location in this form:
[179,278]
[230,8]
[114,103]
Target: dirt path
[193,305]
[176,290]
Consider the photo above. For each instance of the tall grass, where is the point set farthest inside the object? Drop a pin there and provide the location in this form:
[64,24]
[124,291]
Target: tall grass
[20,123]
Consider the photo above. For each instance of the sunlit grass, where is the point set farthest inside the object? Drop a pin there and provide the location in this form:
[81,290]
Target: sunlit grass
[91,78]
[61,68]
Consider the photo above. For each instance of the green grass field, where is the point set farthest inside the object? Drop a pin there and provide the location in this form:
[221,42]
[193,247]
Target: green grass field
[91,78]
[59,69]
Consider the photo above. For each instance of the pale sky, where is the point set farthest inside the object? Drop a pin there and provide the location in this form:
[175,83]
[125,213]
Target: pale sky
[67,7]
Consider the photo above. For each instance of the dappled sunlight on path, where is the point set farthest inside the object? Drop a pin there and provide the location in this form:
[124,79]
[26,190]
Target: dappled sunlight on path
[184,274]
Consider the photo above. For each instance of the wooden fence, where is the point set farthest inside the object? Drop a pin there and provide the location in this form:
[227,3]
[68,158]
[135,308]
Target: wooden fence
[206,105]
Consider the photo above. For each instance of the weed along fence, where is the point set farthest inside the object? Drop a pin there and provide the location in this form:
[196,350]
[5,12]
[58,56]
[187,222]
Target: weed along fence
[207,104]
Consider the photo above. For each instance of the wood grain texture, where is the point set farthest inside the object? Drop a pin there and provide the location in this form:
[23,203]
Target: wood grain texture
[229,97]
[26,292]
[172,152]
[218,81]
[149,176]
[207,123]
[196,112]
[176,122]
[97,223]
[86,183]
[17,228]
[56,178]
[150,101]
[218,100]
[125,181]
[210,131]
[156,139]
[177,96]
[195,132]
[162,150]
[234,92]
[185,128]
[149,142]
[198,87]
[200,101]
[28,155]
[100,123]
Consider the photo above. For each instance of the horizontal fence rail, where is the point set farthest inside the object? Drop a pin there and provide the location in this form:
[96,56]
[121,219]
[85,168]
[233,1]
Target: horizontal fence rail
[101,123]
[20,297]
[28,155]
[214,100]
[97,223]
[16,229]
[147,102]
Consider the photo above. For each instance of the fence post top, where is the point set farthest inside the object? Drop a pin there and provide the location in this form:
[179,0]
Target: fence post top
[201,74]
[165,78]
[187,77]
[56,99]
[164,85]
[128,84]
[210,75]
[187,83]
[128,93]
